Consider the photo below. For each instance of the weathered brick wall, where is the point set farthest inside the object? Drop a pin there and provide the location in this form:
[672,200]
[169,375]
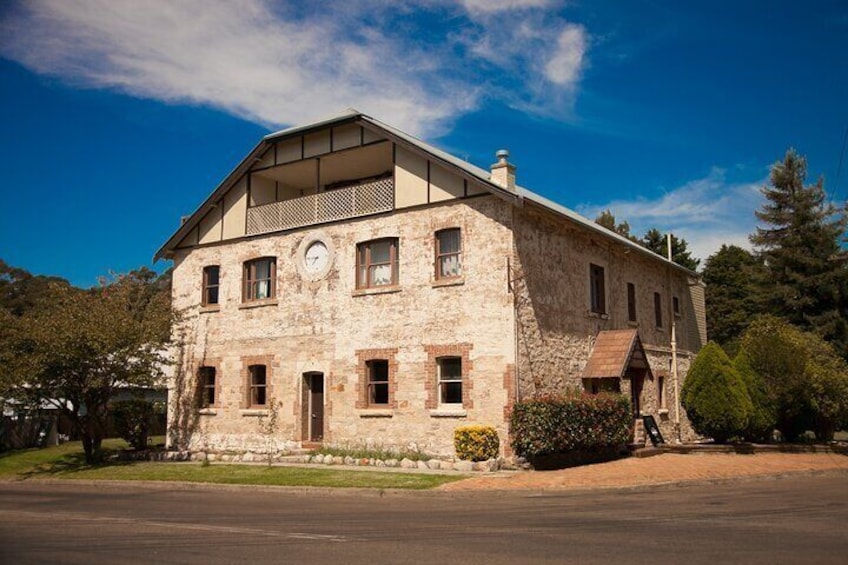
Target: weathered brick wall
[325,326]
[555,325]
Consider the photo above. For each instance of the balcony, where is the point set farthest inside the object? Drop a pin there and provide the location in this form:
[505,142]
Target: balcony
[340,204]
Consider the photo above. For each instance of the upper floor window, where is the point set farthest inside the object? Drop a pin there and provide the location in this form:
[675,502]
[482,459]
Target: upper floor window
[631,302]
[259,279]
[257,385]
[658,317]
[206,386]
[597,289]
[448,253]
[377,263]
[211,277]
[450,380]
[378,382]
[675,305]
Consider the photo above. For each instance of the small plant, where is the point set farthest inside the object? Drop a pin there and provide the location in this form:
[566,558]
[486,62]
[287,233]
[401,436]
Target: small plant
[476,443]
[133,420]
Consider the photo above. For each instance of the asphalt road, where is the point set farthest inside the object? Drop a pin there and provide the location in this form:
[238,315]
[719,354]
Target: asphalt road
[800,520]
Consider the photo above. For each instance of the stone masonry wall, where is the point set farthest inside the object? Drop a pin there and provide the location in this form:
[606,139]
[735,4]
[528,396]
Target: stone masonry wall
[555,325]
[328,326]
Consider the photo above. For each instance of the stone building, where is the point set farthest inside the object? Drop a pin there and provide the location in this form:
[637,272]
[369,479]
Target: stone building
[350,284]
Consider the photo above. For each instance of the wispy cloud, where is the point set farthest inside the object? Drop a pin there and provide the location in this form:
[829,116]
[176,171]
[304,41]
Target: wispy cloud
[282,63]
[707,212]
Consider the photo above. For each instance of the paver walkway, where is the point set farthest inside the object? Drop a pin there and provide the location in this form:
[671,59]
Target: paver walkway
[662,469]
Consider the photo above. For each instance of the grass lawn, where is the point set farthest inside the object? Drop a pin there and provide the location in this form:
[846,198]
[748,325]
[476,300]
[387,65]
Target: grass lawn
[66,462]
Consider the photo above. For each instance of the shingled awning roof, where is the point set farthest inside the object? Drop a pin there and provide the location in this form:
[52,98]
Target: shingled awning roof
[616,351]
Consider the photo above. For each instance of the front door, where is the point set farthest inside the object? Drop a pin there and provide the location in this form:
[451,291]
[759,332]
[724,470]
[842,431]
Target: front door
[314,406]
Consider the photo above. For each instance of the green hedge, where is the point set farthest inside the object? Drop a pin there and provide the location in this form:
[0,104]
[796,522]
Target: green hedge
[574,421]
[476,443]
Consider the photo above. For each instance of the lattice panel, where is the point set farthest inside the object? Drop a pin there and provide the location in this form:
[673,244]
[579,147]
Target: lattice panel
[349,202]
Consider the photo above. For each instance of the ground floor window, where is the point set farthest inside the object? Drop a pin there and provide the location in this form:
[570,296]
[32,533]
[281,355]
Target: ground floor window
[257,385]
[378,382]
[206,386]
[450,380]
[595,386]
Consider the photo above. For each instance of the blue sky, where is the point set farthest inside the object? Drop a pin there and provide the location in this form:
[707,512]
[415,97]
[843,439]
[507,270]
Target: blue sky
[117,117]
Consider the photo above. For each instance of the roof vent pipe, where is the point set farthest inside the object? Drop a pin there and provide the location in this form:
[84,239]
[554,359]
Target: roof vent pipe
[503,172]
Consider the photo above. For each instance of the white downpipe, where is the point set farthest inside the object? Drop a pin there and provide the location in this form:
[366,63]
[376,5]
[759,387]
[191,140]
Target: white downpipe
[674,355]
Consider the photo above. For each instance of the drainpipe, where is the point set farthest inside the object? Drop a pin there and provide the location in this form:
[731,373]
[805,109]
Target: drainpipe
[674,351]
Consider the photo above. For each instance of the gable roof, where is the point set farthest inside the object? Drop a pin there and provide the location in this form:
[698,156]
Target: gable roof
[616,351]
[463,168]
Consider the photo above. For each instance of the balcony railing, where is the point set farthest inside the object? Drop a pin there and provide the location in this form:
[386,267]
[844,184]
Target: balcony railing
[340,204]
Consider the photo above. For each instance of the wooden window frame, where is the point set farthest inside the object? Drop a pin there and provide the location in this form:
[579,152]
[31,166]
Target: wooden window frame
[631,302]
[675,307]
[658,316]
[439,255]
[204,387]
[363,260]
[207,286]
[250,282]
[661,396]
[442,382]
[254,389]
[372,383]
[597,289]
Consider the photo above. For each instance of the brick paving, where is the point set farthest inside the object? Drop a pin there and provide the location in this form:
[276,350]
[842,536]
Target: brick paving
[668,468]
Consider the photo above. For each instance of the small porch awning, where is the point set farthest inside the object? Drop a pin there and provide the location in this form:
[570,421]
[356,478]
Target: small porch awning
[616,352]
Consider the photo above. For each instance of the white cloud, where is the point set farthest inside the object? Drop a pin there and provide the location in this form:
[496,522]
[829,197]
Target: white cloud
[707,212]
[285,63]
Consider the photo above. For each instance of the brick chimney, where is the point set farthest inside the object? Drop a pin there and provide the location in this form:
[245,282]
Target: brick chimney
[503,172]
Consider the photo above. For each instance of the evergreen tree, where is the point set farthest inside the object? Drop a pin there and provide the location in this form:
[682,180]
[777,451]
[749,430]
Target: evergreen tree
[731,276]
[680,254]
[607,219]
[763,416]
[806,279]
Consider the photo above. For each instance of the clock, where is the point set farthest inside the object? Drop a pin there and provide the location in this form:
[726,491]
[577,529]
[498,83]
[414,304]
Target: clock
[315,256]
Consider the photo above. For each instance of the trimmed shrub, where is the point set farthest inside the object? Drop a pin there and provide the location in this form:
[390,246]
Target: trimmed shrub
[476,443]
[763,416]
[715,396]
[133,420]
[574,421]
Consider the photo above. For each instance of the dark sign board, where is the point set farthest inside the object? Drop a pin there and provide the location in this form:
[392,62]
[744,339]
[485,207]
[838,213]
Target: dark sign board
[652,430]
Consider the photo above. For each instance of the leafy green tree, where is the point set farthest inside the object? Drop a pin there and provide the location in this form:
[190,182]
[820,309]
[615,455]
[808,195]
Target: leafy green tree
[731,275]
[763,416]
[21,291]
[83,346]
[827,373]
[607,220]
[806,279]
[715,397]
[680,254]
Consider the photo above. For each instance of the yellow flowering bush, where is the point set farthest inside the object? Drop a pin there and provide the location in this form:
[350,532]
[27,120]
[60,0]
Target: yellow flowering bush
[476,443]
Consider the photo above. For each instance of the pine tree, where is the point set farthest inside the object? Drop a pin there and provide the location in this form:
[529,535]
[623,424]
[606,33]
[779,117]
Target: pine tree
[680,254]
[731,276]
[806,268]
[607,219]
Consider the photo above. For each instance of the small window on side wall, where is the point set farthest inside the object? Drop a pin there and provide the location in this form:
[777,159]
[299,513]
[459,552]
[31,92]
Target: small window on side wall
[206,386]
[257,385]
[211,281]
[631,302]
[597,287]
[658,317]
[377,263]
[675,304]
[450,380]
[448,254]
[259,279]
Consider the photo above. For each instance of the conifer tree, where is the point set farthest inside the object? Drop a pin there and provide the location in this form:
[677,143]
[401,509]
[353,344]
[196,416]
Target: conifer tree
[607,219]
[656,241]
[731,276]
[800,240]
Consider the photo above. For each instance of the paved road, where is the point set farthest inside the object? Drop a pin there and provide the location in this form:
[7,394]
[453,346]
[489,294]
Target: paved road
[799,520]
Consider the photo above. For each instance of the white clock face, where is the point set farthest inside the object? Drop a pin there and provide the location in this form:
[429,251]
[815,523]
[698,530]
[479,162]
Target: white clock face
[316,257]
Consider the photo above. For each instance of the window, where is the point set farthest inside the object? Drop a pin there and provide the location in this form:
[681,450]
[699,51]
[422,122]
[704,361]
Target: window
[598,292]
[596,386]
[631,302]
[377,263]
[675,304]
[658,310]
[210,285]
[378,382]
[661,393]
[206,385]
[448,254]
[450,380]
[257,385]
[259,276]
